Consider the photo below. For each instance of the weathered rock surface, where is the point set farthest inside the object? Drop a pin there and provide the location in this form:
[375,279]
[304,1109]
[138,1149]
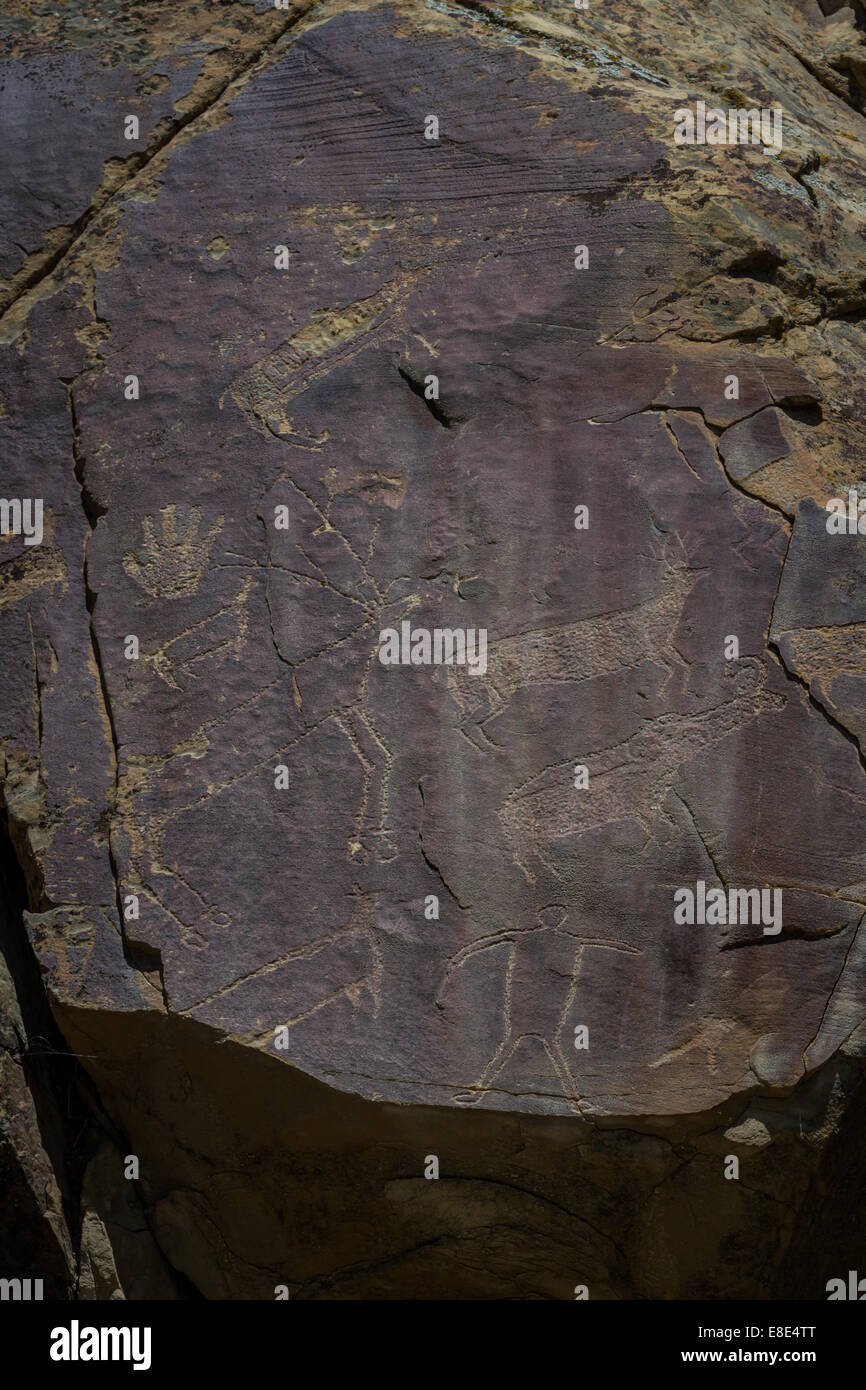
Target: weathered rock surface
[262,907]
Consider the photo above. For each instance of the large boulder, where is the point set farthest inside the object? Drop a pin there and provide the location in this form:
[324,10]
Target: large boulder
[400,320]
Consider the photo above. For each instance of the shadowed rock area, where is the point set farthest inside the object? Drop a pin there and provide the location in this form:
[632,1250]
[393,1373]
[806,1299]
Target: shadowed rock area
[290,369]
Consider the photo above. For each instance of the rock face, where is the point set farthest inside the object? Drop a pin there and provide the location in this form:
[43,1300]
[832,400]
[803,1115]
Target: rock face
[409,319]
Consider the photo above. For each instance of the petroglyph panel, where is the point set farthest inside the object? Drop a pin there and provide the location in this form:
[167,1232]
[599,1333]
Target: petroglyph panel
[283,804]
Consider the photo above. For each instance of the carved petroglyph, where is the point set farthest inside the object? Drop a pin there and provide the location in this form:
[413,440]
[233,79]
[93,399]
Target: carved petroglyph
[629,781]
[371,840]
[542,968]
[331,338]
[574,652]
[174,555]
[224,629]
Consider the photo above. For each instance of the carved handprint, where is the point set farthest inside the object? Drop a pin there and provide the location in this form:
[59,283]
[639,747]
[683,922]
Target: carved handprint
[172,565]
